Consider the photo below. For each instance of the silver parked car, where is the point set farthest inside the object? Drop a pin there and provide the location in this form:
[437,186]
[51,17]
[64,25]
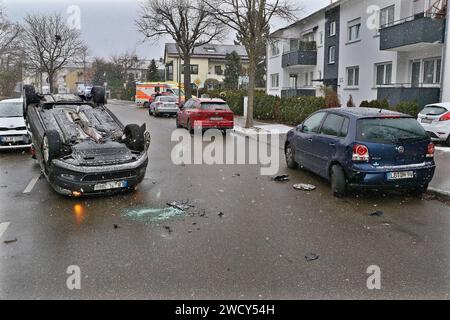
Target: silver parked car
[13,131]
[167,105]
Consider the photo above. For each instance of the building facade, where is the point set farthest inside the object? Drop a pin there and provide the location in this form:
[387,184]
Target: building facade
[207,63]
[366,49]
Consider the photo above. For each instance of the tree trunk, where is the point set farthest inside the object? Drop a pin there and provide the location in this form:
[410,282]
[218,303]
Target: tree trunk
[50,81]
[187,77]
[251,88]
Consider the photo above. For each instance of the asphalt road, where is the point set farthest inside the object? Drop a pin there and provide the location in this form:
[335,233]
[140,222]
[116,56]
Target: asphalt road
[254,250]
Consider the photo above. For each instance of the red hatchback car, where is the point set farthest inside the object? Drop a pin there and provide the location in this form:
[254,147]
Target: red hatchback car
[207,113]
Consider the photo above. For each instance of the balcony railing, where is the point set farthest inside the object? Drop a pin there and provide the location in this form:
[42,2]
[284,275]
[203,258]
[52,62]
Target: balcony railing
[305,54]
[421,93]
[298,92]
[420,28]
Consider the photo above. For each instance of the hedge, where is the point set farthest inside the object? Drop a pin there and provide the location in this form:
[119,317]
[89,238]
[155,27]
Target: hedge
[407,107]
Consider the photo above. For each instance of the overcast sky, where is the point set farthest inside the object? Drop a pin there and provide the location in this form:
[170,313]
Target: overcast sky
[108,25]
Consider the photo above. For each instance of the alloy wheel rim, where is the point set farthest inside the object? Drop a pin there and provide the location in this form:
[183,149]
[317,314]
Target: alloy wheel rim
[45,149]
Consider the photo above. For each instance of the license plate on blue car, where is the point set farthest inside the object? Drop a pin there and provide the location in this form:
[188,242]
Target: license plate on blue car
[400,175]
[111,185]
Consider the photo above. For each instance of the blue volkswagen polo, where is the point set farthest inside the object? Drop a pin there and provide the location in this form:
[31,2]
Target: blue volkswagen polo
[363,148]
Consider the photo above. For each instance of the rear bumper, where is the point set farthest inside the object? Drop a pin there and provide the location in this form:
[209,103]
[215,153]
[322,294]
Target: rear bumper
[166,110]
[207,124]
[377,178]
[67,179]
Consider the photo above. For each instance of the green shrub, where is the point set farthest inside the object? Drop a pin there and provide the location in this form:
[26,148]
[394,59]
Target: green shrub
[376,104]
[408,107]
[295,110]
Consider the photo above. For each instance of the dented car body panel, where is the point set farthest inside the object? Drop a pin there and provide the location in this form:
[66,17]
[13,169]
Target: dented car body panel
[94,155]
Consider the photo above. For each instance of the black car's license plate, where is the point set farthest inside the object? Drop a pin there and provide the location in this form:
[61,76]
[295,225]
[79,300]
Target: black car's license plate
[400,175]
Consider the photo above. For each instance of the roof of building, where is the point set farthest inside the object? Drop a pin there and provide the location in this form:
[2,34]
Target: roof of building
[218,51]
[305,19]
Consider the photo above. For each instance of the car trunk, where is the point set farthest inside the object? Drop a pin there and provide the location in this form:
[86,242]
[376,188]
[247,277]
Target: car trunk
[431,114]
[393,141]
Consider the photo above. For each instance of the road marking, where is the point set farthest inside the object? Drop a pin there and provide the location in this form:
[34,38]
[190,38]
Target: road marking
[3,227]
[30,186]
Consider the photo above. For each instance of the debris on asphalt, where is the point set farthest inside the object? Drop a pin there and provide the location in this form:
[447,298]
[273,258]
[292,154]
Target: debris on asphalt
[10,241]
[236,175]
[311,256]
[220,214]
[281,178]
[153,215]
[376,213]
[168,229]
[304,187]
[116,226]
[3,186]
[185,205]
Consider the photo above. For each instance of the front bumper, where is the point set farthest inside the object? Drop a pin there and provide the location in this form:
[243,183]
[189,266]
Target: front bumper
[367,176]
[71,180]
[23,143]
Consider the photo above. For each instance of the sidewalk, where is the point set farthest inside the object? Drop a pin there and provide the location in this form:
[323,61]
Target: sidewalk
[440,183]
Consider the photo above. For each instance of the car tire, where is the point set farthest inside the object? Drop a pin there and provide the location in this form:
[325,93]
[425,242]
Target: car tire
[189,127]
[289,154]
[30,97]
[98,95]
[178,123]
[146,105]
[135,139]
[448,141]
[419,191]
[338,181]
[51,146]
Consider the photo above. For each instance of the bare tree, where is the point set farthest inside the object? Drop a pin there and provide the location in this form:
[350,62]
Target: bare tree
[127,61]
[9,35]
[250,19]
[190,23]
[50,44]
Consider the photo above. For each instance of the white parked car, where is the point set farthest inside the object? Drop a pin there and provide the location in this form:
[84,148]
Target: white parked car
[13,131]
[435,118]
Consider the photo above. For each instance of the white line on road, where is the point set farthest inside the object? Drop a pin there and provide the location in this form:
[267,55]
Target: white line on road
[3,227]
[30,186]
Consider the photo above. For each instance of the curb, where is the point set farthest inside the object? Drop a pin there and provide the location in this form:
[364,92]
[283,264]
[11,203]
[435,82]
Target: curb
[439,192]
[242,134]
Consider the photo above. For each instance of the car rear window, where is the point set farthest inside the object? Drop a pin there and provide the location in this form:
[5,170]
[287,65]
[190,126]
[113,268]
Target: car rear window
[390,130]
[168,99]
[215,106]
[433,111]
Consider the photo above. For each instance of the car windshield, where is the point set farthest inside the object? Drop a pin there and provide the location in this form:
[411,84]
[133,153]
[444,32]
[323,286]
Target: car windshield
[390,130]
[169,99]
[433,111]
[215,106]
[11,109]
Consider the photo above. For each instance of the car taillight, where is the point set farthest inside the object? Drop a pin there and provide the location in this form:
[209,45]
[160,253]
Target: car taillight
[430,150]
[445,117]
[360,153]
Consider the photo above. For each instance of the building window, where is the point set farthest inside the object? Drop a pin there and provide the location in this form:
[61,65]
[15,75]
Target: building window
[307,79]
[432,71]
[321,38]
[293,45]
[354,29]
[387,16]
[194,69]
[332,55]
[274,49]
[275,80]
[332,30]
[384,74]
[218,70]
[353,76]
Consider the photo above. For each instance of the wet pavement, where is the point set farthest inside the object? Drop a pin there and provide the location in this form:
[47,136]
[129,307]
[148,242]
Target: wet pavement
[243,235]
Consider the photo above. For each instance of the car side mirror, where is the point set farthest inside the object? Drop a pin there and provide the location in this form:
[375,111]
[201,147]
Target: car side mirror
[300,127]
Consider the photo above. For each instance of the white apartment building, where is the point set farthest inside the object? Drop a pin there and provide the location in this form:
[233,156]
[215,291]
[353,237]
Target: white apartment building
[369,49]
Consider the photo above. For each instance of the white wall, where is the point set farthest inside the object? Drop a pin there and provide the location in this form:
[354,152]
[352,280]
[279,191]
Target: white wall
[446,66]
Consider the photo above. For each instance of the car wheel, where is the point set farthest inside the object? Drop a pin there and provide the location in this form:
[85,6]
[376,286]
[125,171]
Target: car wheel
[178,123]
[338,182]
[289,153]
[189,127]
[51,146]
[98,95]
[135,139]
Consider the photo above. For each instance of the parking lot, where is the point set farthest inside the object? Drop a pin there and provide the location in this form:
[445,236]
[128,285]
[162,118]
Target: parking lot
[245,236]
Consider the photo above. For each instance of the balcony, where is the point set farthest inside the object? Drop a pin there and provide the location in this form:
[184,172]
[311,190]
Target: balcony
[407,92]
[304,55]
[409,33]
[292,92]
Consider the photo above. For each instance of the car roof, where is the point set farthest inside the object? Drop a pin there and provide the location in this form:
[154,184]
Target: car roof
[19,100]
[358,112]
[445,105]
[209,100]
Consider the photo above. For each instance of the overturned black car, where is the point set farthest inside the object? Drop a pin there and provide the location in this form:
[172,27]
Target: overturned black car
[80,145]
